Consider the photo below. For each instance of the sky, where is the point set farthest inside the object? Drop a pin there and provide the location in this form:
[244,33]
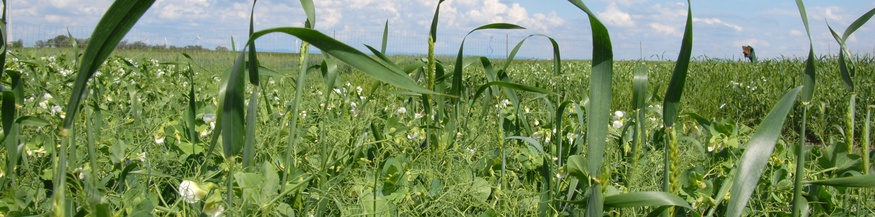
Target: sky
[649,29]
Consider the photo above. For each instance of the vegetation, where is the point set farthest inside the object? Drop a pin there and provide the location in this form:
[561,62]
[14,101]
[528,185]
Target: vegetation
[242,133]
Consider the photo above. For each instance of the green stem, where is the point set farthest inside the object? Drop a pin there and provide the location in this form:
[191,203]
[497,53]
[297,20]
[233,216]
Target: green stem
[849,118]
[800,166]
[866,142]
[296,105]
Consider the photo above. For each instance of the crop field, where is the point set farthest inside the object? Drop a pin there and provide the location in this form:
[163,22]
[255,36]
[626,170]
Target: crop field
[344,133]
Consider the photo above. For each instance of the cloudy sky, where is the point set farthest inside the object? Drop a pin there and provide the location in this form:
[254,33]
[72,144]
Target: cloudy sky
[639,28]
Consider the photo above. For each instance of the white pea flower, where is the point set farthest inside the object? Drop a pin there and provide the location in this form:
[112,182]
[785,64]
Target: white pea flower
[418,115]
[209,117]
[214,209]
[402,110]
[159,139]
[191,192]
[618,114]
[142,157]
[617,124]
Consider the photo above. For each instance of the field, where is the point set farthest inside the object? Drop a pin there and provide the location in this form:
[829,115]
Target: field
[169,133]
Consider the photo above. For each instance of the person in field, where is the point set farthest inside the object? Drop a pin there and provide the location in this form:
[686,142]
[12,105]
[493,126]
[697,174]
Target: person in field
[749,53]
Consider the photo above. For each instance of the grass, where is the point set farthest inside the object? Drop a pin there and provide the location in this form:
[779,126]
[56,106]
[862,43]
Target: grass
[494,137]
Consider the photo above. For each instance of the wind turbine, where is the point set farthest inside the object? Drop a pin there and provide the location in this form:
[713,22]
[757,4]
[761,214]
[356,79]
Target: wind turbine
[197,40]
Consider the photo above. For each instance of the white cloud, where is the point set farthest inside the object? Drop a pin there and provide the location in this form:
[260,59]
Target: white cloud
[476,13]
[713,21]
[665,29]
[614,16]
[795,32]
[750,42]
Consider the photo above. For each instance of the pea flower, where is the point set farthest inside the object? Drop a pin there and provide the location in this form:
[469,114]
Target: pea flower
[191,192]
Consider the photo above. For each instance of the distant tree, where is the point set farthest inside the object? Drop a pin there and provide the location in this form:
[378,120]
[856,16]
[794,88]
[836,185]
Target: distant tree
[16,44]
[138,45]
[60,41]
[194,47]
[40,44]
[221,48]
[82,42]
[123,45]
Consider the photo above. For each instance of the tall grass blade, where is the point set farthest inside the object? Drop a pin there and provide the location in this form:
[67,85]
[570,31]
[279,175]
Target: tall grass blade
[118,20]
[310,10]
[385,37]
[757,153]
[599,108]
[232,109]
[10,131]
[557,62]
[671,105]
[862,181]
[808,76]
[799,202]
[846,60]
[349,55]
[457,70]
[639,105]
[646,198]
[254,79]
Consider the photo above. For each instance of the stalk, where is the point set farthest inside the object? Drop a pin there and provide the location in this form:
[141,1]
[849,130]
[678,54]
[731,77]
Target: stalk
[849,119]
[866,141]
[296,105]
[800,166]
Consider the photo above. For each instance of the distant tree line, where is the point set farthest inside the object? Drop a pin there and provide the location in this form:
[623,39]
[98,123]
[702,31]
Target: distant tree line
[61,41]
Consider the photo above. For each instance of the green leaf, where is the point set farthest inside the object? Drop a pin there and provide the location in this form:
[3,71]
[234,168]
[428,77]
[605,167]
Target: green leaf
[310,10]
[639,83]
[862,181]
[509,85]
[599,108]
[647,198]
[757,153]
[576,167]
[231,110]
[808,76]
[385,37]
[8,108]
[557,62]
[531,141]
[671,105]
[457,70]
[349,55]
[32,121]
[434,22]
[118,20]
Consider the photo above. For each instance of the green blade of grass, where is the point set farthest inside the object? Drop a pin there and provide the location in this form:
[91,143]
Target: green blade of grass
[457,70]
[557,62]
[862,181]
[512,86]
[844,70]
[118,20]
[310,10]
[846,60]
[808,76]
[671,105]
[639,97]
[599,108]
[647,198]
[349,55]
[231,109]
[757,152]
[385,37]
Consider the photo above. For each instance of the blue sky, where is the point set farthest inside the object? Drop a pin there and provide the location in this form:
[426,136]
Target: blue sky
[639,28]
